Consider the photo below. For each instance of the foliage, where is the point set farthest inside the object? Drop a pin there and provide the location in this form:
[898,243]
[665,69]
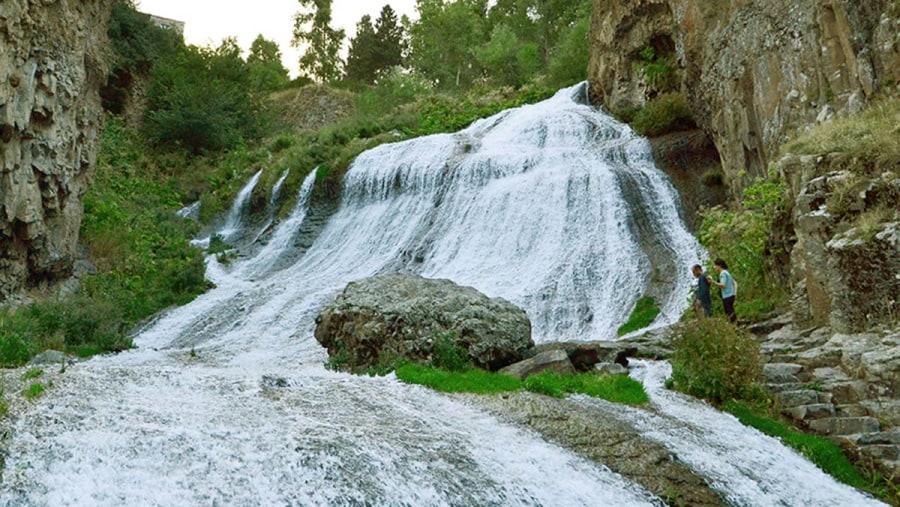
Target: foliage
[657,69]
[33,391]
[265,67]
[742,238]
[468,381]
[312,29]
[203,99]
[140,248]
[645,310]
[714,360]
[615,388]
[824,453]
[869,141]
[568,60]
[32,373]
[443,41]
[507,60]
[136,43]
[375,49]
[447,355]
[668,112]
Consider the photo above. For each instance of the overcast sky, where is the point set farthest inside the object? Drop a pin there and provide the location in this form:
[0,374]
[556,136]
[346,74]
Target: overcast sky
[209,21]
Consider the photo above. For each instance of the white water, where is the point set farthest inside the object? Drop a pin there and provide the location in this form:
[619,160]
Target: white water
[273,204]
[234,220]
[748,467]
[225,401]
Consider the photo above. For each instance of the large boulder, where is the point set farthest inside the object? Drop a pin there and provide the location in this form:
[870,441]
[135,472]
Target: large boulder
[403,316]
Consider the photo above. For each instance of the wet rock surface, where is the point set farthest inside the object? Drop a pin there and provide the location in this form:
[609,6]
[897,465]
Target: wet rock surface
[396,316]
[596,433]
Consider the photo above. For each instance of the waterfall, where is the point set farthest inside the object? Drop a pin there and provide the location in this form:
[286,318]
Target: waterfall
[554,206]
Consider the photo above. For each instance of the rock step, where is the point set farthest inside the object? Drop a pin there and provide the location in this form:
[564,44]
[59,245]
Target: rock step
[810,412]
[851,410]
[778,387]
[779,373]
[798,397]
[845,425]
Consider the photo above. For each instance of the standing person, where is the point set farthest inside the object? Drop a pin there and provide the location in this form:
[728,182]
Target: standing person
[728,288]
[702,298]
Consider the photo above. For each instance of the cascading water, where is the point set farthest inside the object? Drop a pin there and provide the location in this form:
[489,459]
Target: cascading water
[273,205]
[225,400]
[234,220]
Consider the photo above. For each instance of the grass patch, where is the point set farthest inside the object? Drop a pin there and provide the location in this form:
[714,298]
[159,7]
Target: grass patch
[643,314]
[33,373]
[4,409]
[870,140]
[33,391]
[668,112]
[615,388]
[824,453]
[469,381]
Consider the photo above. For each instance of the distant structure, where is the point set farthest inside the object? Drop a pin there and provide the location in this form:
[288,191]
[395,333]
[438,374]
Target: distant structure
[168,24]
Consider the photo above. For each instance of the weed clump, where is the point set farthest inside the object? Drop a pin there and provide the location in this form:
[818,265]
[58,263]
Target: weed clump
[714,360]
[645,311]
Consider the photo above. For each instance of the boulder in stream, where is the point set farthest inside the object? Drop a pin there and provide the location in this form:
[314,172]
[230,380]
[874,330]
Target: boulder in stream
[401,316]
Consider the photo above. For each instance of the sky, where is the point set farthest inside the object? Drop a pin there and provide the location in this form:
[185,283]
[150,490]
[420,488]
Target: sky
[207,22]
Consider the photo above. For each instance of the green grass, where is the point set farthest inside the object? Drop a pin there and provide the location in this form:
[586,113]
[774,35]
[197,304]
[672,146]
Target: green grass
[616,388]
[33,391]
[821,451]
[33,373]
[4,409]
[643,314]
[469,381]
[870,140]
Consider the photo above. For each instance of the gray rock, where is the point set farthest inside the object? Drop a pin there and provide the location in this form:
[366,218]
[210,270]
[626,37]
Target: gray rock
[50,357]
[810,412]
[782,372]
[552,360]
[403,316]
[845,425]
[790,399]
[611,368]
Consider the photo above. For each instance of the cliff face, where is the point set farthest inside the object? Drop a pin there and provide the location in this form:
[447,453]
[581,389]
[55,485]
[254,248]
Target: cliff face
[51,68]
[753,71]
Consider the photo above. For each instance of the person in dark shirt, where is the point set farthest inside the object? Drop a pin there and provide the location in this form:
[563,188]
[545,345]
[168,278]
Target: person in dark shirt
[702,298]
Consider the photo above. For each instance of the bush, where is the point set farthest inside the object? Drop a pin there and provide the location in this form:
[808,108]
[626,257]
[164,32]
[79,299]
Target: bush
[668,112]
[643,314]
[743,239]
[714,360]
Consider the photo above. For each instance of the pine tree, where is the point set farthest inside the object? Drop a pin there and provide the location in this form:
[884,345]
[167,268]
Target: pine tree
[390,40]
[362,63]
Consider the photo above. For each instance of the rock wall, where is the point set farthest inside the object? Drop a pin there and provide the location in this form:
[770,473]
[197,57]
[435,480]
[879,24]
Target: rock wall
[52,55]
[753,71]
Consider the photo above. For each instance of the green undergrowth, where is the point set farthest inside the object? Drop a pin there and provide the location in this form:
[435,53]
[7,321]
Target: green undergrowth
[744,239]
[666,113]
[139,247]
[642,316]
[824,453]
[616,388]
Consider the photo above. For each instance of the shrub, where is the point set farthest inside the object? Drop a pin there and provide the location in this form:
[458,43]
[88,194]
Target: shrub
[643,314]
[668,112]
[743,239]
[714,360]
[447,355]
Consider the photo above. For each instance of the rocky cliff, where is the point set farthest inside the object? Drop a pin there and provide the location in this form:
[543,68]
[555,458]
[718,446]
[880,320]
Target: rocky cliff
[51,68]
[754,72]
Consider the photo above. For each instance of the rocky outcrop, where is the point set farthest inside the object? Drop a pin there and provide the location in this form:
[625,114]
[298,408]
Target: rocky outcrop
[843,386]
[401,316]
[845,264]
[51,68]
[753,72]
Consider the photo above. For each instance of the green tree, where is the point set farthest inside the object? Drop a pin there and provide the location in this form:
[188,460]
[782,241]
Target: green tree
[506,59]
[568,61]
[362,62]
[390,40]
[443,41]
[312,28]
[267,72]
[202,99]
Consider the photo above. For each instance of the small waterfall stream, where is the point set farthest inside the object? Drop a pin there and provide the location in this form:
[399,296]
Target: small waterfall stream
[554,206]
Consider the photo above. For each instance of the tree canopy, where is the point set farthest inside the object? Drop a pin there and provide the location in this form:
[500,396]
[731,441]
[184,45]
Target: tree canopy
[312,29]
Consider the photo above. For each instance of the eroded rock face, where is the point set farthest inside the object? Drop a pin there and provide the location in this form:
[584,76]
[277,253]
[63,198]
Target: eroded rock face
[845,267]
[403,316]
[51,68]
[753,71]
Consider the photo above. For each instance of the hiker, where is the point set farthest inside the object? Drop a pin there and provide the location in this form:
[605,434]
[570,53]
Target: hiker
[702,300]
[728,288]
